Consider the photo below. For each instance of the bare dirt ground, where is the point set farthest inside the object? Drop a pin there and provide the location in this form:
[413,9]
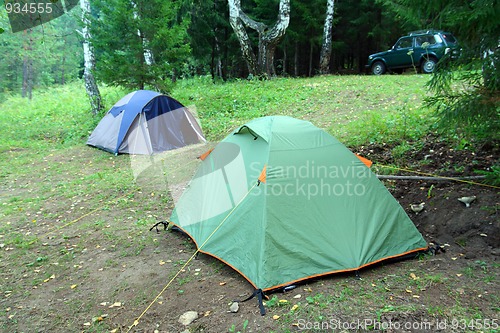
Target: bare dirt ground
[79,257]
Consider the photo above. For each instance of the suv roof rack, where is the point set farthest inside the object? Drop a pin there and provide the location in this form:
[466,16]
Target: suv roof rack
[422,32]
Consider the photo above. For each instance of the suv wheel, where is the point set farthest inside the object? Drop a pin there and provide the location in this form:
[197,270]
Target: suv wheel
[378,68]
[428,65]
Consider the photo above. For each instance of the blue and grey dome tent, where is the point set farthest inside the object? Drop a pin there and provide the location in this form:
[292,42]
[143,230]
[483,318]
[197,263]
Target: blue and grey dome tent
[146,122]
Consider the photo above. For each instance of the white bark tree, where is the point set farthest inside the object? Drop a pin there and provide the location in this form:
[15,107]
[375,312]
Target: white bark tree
[326,45]
[89,61]
[269,37]
[148,54]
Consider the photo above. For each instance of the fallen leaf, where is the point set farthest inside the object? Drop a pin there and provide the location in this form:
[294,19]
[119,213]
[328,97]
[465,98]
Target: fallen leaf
[86,324]
[459,275]
[115,305]
[297,296]
[73,286]
[416,296]
[104,303]
[222,284]
[294,307]
[413,276]
[454,258]
[207,313]
[408,291]
[275,317]
[283,301]
[162,263]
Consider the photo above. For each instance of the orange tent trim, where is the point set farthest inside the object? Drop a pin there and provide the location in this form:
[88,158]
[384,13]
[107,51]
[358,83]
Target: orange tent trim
[205,154]
[366,161]
[262,177]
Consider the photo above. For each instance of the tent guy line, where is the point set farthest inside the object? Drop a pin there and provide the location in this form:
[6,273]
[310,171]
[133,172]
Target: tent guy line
[437,177]
[198,250]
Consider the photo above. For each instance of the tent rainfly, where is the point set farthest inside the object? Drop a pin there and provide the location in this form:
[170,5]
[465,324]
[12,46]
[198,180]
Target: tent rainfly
[146,122]
[281,201]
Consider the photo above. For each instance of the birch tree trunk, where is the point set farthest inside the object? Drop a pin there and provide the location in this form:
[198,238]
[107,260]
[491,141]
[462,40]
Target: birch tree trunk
[148,54]
[268,37]
[326,45]
[241,34]
[89,61]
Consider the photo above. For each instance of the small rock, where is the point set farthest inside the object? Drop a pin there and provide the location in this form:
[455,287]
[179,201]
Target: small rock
[234,307]
[470,255]
[188,317]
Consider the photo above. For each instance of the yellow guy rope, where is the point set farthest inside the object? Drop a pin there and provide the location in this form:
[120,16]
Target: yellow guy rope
[437,176]
[136,322]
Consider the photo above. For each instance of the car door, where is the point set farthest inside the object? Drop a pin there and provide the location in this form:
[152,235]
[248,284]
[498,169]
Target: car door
[398,57]
[423,44]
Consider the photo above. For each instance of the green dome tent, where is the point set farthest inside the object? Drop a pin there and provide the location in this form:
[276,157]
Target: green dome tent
[281,201]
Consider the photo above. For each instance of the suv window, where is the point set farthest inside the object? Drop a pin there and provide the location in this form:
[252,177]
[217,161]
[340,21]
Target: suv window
[449,38]
[431,40]
[404,43]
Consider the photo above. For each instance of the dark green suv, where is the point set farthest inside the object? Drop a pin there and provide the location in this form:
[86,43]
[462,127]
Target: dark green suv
[420,50]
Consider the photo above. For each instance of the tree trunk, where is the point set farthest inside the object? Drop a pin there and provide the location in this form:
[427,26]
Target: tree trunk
[311,51]
[241,34]
[296,60]
[326,45]
[269,38]
[27,87]
[148,54]
[284,70]
[89,62]
[63,64]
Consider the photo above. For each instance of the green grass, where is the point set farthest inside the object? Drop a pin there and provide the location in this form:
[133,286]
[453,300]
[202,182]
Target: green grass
[343,105]
[57,117]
